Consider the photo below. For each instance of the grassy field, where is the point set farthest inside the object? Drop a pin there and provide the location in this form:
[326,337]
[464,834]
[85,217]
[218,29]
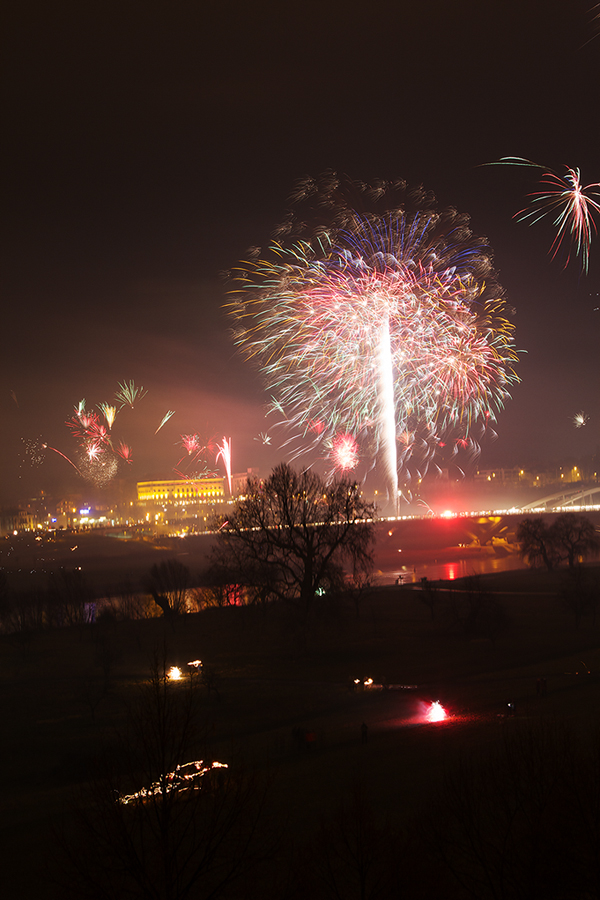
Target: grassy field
[273,676]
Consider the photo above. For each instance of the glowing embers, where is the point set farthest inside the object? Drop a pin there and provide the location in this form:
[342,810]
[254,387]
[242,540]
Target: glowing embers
[183,778]
[174,673]
[366,684]
[436,712]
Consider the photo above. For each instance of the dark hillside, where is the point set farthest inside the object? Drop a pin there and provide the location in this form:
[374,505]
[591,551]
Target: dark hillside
[64,697]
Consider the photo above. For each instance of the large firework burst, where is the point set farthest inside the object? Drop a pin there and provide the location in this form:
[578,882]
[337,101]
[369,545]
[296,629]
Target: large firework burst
[387,325]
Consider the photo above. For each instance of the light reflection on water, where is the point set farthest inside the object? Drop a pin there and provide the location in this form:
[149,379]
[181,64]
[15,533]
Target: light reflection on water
[451,570]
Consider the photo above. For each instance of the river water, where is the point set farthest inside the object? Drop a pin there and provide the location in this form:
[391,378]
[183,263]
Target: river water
[408,552]
[449,570]
[443,548]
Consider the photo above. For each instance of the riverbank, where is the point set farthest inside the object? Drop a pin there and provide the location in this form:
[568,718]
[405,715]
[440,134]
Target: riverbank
[405,549]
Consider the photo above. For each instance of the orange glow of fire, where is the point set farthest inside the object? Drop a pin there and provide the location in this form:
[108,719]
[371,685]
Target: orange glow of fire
[183,778]
[174,673]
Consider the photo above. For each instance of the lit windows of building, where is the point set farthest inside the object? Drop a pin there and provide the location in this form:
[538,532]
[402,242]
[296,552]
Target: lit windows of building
[179,493]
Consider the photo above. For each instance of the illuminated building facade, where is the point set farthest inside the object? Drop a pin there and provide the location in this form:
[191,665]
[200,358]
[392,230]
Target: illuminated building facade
[179,493]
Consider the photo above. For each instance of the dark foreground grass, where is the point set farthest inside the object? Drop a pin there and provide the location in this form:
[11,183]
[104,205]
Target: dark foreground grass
[272,677]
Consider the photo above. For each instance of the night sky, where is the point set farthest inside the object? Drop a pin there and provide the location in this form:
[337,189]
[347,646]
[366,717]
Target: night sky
[148,145]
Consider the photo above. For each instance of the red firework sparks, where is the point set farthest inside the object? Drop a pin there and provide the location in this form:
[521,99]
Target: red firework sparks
[436,712]
[345,452]
[70,461]
[124,451]
[191,443]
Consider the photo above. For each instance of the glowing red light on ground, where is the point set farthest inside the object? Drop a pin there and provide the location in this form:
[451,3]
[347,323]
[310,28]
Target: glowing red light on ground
[436,712]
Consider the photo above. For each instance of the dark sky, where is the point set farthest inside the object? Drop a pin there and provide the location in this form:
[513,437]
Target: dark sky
[147,145]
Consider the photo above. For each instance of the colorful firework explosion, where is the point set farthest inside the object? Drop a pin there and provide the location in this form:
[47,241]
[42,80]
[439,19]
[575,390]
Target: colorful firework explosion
[87,427]
[129,394]
[580,419]
[98,466]
[124,451]
[377,325]
[109,412]
[191,443]
[571,203]
[193,464]
[345,452]
[97,456]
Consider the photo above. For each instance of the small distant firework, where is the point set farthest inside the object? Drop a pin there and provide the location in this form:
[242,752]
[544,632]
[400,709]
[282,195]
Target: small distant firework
[191,443]
[109,413]
[580,419]
[97,461]
[225,454]
[345,452]
[263,437]
[14,396]
[99,468]
[165,419]
[34,451]
[194,447]
[98,458]
[129,394]
[205,472]
[124,451]
[571,203]
[97,455]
